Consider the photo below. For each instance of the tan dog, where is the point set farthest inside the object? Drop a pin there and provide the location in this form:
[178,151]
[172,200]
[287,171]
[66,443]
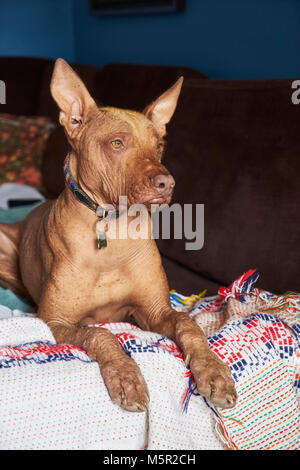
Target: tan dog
[53,254]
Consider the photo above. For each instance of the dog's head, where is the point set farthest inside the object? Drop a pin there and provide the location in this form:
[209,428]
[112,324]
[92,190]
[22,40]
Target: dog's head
[117,152]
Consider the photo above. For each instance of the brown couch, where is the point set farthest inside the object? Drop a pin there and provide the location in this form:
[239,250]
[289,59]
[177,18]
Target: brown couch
[232,145]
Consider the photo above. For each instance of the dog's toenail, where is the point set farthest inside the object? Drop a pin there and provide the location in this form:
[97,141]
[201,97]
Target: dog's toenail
[142,406]
[229,399]
[187,360]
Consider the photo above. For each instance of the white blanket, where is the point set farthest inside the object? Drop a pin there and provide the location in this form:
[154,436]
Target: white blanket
[53,396]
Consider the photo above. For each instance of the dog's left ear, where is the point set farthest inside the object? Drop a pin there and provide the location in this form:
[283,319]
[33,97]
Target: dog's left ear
[72,97]
[162,109]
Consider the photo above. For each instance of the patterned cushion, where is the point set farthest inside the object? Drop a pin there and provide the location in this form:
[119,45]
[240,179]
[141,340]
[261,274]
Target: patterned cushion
[22,144]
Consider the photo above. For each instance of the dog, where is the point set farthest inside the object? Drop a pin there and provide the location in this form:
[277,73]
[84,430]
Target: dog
[77,279]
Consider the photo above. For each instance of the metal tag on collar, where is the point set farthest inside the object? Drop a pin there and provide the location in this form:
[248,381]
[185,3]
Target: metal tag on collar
[101,240]
[101,212]
[101,235]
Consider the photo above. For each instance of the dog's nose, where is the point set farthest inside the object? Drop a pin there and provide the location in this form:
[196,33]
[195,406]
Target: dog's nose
[163,183]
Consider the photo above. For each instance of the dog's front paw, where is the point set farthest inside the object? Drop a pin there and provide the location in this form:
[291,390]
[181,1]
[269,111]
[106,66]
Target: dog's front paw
[125,384]
[213,379]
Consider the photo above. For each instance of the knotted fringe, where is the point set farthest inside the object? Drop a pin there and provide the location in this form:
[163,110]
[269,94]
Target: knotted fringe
[242,285]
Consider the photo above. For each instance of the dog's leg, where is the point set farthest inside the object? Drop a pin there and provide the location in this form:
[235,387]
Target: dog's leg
[125,384]
[211,374]
[10,276]
[122,376]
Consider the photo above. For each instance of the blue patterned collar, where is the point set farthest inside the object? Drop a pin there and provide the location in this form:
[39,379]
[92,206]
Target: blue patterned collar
[82,197]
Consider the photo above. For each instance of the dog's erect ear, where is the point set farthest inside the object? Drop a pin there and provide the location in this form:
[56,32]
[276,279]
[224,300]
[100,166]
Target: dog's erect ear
[71,95]
[162,109]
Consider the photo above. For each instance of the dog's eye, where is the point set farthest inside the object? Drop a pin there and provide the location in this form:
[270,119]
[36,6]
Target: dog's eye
[117,144]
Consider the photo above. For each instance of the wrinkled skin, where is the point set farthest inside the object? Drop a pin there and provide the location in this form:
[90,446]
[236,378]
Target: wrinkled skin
[52,256]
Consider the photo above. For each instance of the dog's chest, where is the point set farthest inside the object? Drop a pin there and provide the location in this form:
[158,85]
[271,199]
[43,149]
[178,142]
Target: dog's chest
[108,295]
[110,282]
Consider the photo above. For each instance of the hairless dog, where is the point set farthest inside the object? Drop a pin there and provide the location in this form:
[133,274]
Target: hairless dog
[53,256]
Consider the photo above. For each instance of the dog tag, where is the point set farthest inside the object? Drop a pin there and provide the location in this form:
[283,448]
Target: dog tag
[101,240]
[101,236]
[104,215]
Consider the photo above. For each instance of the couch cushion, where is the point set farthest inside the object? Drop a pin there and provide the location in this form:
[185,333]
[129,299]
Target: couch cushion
[235,147]
[22,143]
[23,79]
[185,281]
[134,86]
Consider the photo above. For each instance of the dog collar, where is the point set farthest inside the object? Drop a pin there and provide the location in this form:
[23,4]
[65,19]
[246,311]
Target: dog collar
[82,197]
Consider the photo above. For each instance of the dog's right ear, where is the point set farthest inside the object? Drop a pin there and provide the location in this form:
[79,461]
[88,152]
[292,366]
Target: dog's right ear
[162,109]
[72,97]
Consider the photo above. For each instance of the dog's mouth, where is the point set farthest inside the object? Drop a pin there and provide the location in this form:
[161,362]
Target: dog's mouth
[157,201]
[150,204]
[152,192]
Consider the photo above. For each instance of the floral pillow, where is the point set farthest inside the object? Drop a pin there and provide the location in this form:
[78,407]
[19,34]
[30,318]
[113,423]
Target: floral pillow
[22,143]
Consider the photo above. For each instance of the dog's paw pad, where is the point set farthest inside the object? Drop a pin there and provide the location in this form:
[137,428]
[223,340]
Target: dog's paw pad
[214,381]
[126,385]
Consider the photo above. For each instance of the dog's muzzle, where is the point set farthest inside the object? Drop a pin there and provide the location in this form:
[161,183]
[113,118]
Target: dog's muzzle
[164,184]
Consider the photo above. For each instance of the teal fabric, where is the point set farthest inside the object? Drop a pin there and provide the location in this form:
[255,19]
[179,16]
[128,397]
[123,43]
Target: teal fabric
[7,297]
[9,216]
[13,301]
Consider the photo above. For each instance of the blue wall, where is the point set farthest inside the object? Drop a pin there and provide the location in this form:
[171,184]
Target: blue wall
[223,38]
[38,28]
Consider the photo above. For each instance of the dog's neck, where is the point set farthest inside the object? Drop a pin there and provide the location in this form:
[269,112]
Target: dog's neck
[79,205]
[101,211]
[78,233]
[81,194]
